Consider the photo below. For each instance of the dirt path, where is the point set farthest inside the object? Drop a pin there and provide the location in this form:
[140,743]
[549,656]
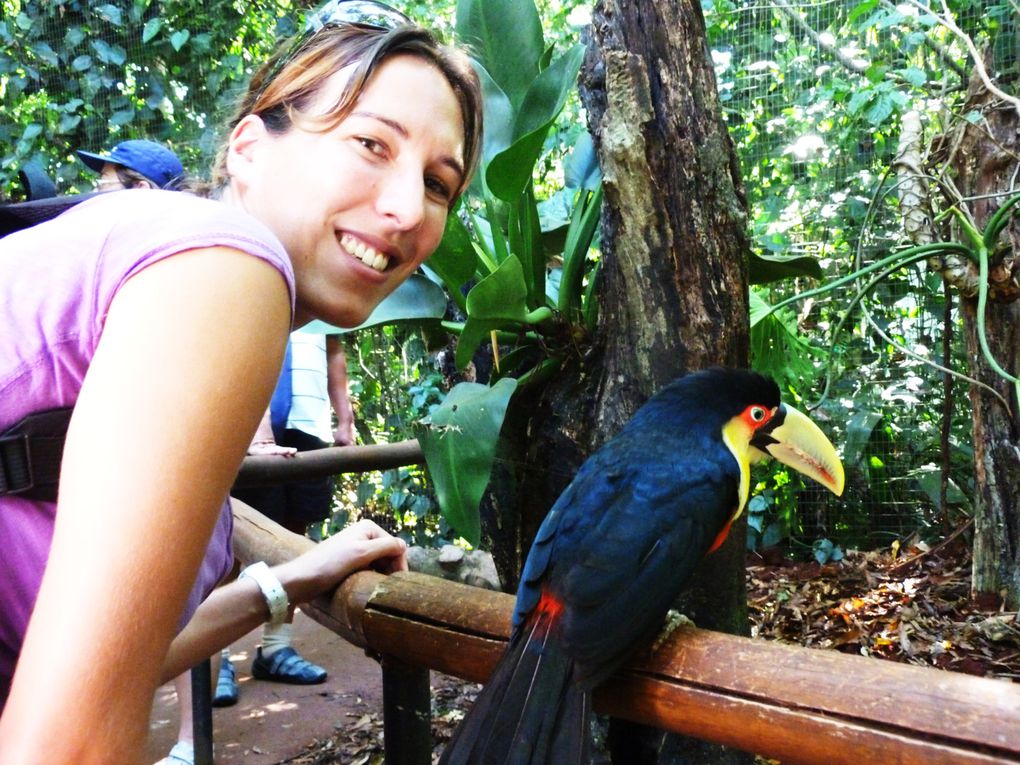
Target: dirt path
[273,722]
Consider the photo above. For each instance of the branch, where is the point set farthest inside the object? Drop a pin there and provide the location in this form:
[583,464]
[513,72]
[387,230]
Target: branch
[940,50]
[832,50]
[949,23]
[320,463]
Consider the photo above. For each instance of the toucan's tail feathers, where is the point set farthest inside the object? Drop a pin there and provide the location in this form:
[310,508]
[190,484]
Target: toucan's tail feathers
[529,713]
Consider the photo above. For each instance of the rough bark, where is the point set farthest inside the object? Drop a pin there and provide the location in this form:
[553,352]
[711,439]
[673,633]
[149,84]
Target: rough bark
[674,290]
[986,165]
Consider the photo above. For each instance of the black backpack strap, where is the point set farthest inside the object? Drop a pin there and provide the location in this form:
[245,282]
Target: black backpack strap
[30,454]
[31,450]
[15,216]
[35,181]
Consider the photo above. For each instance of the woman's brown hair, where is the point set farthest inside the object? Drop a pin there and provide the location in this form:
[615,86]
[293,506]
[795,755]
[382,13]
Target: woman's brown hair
[280,95]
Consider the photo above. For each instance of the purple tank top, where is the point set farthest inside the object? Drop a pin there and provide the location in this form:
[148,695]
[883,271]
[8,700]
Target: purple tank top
[57,281]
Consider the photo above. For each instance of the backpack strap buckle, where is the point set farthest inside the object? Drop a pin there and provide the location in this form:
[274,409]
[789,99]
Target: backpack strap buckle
[15,464]
[30,455]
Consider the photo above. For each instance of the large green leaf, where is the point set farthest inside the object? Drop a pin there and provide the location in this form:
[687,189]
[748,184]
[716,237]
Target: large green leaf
[455,260]
[510,171]
[506,35]
[581,170]
[417,299]
[499,116]
[858,434]
[499,298]
[459,443]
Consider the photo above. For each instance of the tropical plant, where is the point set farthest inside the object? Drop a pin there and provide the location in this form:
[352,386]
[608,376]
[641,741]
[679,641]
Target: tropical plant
[495,259]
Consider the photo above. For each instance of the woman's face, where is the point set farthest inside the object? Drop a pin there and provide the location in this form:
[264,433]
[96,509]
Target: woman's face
[361,206]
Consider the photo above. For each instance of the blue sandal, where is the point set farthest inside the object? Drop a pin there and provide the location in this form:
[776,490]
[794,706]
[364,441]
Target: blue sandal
[287,666]
[226,685]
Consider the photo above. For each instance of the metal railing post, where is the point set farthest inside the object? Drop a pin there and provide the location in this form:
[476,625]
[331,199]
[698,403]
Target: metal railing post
[407,714]
[201,710]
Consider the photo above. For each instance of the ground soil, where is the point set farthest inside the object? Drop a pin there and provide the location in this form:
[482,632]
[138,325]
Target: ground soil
[272,722]
[909,604]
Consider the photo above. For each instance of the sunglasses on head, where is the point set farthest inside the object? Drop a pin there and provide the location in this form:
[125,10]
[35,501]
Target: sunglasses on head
[368,14]
[361,13]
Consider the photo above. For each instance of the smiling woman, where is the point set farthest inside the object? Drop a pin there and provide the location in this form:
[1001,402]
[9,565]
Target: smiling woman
[161,318]
[399,156]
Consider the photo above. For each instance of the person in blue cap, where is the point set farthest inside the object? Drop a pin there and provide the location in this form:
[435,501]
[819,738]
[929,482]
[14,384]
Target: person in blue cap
[135,164]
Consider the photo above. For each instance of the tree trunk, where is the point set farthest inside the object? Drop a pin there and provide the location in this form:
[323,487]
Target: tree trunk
[986,165]
[674,241]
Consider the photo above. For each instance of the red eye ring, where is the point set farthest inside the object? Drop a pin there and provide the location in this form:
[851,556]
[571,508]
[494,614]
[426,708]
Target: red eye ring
[756,415]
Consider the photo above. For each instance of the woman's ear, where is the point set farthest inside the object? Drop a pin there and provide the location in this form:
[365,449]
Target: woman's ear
[245,140]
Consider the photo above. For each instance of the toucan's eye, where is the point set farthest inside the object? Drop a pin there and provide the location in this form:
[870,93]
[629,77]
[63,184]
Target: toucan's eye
[755,416]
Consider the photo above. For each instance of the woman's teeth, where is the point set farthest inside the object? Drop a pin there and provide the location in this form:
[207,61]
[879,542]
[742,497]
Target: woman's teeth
[367,254]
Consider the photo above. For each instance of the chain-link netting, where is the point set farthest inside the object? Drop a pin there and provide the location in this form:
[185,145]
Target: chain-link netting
[815,94]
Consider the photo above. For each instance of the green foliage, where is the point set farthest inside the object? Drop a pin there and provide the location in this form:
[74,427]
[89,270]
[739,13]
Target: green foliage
[777,347]
[85,75]
[825,551]
[459,442]
[499,242]
[400,500]
[418,300]
[502,244]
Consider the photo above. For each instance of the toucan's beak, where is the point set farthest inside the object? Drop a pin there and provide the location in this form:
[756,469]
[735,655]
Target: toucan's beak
[796,441]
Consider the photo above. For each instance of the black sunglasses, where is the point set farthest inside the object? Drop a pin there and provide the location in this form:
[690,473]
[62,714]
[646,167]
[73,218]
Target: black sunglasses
[369,14]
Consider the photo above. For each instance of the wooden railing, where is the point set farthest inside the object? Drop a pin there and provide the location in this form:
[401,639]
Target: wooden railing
[799,705]
[322,463]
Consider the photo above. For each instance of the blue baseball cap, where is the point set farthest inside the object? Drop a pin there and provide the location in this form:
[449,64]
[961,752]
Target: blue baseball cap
[148,158]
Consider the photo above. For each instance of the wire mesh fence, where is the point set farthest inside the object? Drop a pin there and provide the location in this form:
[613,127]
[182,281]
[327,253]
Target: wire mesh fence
[814,95]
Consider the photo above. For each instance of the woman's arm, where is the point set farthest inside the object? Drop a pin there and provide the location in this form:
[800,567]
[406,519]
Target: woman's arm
[189,354]
[236,608]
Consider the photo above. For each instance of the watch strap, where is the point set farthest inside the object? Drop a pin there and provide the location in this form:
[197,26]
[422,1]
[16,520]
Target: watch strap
[276,597]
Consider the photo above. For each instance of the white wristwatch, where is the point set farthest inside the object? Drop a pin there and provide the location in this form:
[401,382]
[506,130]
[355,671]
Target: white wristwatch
[272,590]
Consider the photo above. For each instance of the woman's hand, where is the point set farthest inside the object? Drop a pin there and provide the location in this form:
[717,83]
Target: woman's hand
[360,546]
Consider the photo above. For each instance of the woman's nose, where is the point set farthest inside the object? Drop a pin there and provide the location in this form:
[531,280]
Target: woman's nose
[402,199]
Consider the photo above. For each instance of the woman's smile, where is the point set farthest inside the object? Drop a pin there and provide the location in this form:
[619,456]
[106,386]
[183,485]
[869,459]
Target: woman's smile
[364,252]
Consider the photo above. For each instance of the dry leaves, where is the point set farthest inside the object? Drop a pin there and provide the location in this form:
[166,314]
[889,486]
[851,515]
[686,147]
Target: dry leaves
[358,740]
[873,604]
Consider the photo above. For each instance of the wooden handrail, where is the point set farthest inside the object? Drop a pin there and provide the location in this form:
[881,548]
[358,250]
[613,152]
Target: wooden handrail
[803,706]
[321,463]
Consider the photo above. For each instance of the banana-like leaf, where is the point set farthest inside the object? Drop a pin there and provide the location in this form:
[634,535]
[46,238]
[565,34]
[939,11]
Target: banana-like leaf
[498,299]
[455,260]
[459,443]
[506,35]
[510,171]
[581,170]
[763,269]
[499,116]
[417,299]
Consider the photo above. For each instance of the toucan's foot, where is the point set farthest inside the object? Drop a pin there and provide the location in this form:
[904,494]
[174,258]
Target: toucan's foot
[674,620]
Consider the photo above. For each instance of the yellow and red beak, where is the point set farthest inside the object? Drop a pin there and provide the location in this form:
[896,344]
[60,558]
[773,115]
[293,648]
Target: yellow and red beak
[793,439]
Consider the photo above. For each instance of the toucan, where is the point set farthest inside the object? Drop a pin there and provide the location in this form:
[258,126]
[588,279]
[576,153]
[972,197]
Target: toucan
[616,549]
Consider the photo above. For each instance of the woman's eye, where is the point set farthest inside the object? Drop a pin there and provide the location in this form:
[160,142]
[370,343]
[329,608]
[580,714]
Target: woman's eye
[372,145]
[438,187]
